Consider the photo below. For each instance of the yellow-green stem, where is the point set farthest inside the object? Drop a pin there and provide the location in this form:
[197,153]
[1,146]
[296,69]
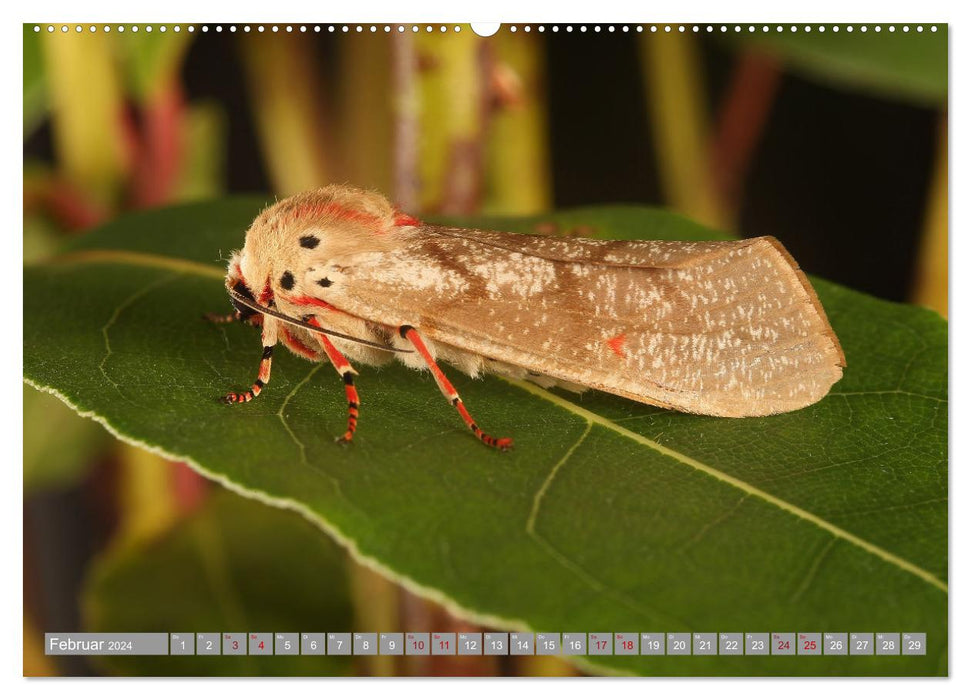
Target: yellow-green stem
[366,111]
[930,288]
[674,89]
[451,80]
[285,92]
[517,163]
[375,602]
[86,113]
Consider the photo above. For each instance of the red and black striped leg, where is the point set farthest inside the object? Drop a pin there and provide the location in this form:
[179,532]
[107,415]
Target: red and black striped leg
[347,373]
[411,335]
[262,378]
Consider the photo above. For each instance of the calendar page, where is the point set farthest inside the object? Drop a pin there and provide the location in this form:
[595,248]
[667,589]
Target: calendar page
[523,349]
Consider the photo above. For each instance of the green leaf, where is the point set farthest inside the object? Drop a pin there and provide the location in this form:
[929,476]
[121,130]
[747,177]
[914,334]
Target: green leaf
[236,565]
[608,515]
[903,65]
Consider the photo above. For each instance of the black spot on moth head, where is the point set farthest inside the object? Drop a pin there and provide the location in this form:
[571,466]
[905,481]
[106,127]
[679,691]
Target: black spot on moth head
[310,242]
[286,280]
[324,282]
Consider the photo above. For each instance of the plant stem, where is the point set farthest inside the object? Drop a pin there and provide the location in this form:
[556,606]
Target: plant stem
[452,86]
[284,87]
[366,112]
[930,287]
[86,114]
[406,110]
[517,161]
[741,120]
[672,73]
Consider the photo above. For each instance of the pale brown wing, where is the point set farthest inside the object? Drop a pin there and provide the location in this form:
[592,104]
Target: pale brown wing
[728,328]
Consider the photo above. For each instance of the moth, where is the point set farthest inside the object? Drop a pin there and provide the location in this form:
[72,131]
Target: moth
[722,328]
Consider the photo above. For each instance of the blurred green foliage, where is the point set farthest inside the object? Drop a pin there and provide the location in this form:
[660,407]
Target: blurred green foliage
[910,66]
[233,565]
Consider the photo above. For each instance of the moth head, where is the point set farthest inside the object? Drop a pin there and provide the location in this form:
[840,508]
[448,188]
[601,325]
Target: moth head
[295,244]
[237,285]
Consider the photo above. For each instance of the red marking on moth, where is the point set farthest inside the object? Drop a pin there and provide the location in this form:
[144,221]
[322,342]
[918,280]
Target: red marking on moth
[266,296]
[617,345]
[401,219]
[292,342]
[336,210]
[312,301]
[239,274]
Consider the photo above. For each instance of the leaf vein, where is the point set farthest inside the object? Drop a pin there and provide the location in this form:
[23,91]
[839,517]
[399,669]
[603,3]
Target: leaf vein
[735,482]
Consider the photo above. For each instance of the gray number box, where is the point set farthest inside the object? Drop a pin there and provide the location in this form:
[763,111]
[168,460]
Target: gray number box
[391,644]
[625,644]
[339,644]
[783,644]
[756,643]
[365,643]
[260,644]
[861,643]
[835,644]
[652,643]
[809,643]
[887,643]
[521,643]
[600,644]
[704,644]
[313,643]
[443,644]
[547,643]
[731,644]
[208,644]
[496,644]
[914,644]
[470,644]
[574,643]
[286,644]
[234,643]
[679,643]
[417,644]
[182,644]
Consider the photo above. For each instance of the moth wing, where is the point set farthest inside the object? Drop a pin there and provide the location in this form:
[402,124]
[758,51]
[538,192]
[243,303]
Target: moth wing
[728,328]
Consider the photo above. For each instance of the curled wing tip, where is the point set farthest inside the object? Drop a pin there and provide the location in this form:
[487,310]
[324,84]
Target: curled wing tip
[826,327]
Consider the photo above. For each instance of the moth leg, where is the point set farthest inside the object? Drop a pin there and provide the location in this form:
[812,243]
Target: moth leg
[347,373]
[263,376]
[222,318]
[252,319]
[411,335]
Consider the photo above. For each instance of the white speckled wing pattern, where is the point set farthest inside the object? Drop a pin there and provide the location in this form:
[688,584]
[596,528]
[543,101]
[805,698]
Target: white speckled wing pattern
[726,328]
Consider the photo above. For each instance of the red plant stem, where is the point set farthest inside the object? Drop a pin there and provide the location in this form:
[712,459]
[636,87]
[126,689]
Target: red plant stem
[67,205]
[741,119]
[160,150]
[404,81]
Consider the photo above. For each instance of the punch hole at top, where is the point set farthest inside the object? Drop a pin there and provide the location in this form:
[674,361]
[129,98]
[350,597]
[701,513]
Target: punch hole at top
[485,28]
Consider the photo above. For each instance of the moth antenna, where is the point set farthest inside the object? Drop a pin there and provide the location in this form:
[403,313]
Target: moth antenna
[303,324]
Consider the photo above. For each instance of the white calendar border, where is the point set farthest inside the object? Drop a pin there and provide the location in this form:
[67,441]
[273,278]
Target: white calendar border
[450,11]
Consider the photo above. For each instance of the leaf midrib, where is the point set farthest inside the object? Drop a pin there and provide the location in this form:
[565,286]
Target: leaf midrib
[211,271]
[595,419]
